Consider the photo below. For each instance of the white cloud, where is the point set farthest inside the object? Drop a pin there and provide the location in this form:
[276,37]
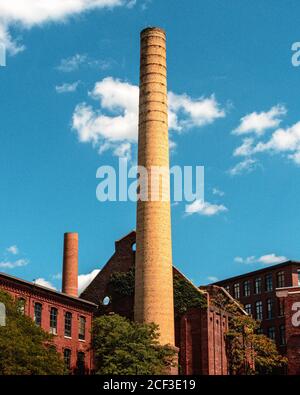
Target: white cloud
[282,141]
[116,120]
[187,113]
[258,123]
[44,283]
[204,208]
[212,279]
[264,259]
[246,166]
[67,87]
[74,62]
[85,279]
[217,192]
[246,149]
[13,264]
[30,13]
[14,250]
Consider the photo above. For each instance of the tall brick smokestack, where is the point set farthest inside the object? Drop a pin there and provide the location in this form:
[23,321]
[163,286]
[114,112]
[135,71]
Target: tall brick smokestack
[153,269]
[70,264]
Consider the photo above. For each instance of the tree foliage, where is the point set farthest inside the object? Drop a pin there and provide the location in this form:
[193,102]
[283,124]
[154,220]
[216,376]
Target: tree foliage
[125,347]
[248,351]
[25,349]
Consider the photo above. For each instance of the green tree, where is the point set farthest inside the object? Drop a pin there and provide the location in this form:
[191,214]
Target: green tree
[249,352]
[125,347]
[25,349]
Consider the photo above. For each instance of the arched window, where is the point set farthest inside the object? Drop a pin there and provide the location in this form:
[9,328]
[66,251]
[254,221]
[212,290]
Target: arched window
[53,320]
[81,334]
[38,314]
[67,358]
[21,305]
[106,301]
[68,324]
[80,363]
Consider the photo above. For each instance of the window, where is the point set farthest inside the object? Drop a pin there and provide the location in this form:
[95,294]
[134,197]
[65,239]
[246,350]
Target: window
[257,286]
[38,314]
[282,339]
[259,310]
[260,331]
[298,278]
[281,307]
[21,305]
[271,333]
[68,324]
[67,358]
[269,308]
[236,291]
[80,363]
[247,288]
[106,301]
[269,283]
[53,320]
[82,328]
[248,308]
[280,280]
[228,287]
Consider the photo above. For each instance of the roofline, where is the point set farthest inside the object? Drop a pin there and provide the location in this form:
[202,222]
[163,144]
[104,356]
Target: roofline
[127,234]
[201,291]
[265,269]
[41,287]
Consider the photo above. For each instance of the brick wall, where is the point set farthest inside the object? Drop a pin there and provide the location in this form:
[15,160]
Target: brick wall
[291,298]
[199,333]
[34,294]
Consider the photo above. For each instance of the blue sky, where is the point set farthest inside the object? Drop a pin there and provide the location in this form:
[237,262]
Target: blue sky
[72,72]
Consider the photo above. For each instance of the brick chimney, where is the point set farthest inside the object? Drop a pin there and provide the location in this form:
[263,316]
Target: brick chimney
[70,264]
[153,268]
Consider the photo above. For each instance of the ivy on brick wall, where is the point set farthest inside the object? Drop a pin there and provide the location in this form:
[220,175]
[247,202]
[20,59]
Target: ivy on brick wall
[123,282]
[185,295]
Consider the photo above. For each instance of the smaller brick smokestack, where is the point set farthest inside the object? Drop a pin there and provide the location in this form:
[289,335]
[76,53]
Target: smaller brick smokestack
[70,264]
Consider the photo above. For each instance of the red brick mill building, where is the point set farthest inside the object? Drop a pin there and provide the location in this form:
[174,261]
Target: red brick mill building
[272,296]
[199,332]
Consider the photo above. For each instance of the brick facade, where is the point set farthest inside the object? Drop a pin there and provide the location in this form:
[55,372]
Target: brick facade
[265,304]
[291,298]
[31,294]
[199,333]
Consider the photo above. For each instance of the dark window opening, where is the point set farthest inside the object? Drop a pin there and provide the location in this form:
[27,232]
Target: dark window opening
[38,314]
[68,324]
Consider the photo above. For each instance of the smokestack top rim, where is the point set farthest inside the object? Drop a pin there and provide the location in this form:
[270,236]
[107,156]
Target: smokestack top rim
[71,235]
[152,29]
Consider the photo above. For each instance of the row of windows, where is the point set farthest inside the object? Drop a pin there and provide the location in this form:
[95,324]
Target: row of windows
[37,317]
[259,314]
[271,333]
[257,286]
